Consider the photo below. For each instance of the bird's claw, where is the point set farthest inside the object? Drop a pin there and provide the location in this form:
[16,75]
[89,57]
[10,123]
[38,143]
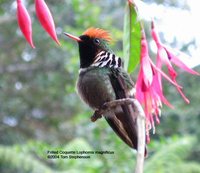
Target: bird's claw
[99,112]
[107,106]
[97,115]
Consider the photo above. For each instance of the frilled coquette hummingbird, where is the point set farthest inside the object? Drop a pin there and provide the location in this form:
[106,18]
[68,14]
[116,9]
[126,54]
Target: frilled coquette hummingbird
[102,79]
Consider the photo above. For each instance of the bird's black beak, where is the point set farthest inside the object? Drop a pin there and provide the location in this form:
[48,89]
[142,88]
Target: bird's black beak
[73,37]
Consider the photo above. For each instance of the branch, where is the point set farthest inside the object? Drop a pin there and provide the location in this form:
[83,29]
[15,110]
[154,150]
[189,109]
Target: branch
[140,124]
[141,137]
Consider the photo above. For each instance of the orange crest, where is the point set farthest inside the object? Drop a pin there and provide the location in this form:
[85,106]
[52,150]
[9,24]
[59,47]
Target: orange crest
[98,33]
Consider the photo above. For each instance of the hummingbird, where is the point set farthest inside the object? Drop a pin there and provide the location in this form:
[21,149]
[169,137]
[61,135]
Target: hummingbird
[102,79]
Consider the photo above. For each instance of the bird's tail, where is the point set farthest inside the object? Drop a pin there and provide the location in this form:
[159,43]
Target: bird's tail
[125,126]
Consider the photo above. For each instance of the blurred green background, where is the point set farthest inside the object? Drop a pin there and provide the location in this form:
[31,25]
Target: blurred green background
[40,110]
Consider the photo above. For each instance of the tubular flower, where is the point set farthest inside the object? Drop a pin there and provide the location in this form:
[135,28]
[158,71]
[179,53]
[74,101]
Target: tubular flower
[166,56]
[24,22]
[44,15]
[149,89]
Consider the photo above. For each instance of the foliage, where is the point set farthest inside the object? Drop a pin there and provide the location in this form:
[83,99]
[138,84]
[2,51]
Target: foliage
[132,38]
[174,151]
[31,157]
[20,161]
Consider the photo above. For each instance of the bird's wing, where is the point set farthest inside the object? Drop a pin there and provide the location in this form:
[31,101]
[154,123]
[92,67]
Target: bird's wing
[124,121]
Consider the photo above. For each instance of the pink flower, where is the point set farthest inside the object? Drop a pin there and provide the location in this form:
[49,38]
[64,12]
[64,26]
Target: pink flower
[24,22]
[44,15]
[165,56]
[149,88]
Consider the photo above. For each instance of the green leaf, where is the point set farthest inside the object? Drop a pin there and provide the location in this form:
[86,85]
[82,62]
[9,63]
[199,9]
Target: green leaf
[132,38]
[172,157]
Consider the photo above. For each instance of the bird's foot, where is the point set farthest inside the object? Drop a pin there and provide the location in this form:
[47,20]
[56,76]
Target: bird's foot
[99,112]
[97,115]
[108,106]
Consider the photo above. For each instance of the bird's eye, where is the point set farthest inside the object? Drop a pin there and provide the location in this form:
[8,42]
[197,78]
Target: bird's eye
[96,41]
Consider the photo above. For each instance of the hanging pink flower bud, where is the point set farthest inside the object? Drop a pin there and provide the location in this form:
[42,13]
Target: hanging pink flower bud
[24,22]
[44,15]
